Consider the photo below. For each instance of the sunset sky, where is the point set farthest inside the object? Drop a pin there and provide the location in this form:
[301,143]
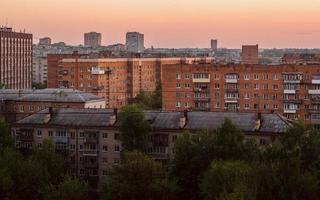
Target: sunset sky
[171,23]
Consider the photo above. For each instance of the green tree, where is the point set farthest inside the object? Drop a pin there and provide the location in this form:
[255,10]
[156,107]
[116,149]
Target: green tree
[137,177]
[69,189]
[5,137]
[150,100]
[134,128]
[228,180]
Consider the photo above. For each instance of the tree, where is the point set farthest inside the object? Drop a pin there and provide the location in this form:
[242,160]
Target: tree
[69,189]
[134,128]
[228,180]
[137,177]
[5,137]
[150,100]
[195,152]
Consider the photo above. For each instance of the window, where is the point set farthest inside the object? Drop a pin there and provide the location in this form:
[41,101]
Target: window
[275,77]
[217,105]
[274,96]
[265,86]
[187,85]
[275,106]
[50,133]
[105,148]
[266,106]
[216,76]
[104,135]
[275,87]
[39,133]
[256,77]
[116,148]
[178,85]
[265,96]
[21,108]
[116,136]
[307,106]
[31,108]
[246,106]
[256,96]
[186,104]
[186,76]
[178,76]
[256,86]
[265,76]
[246,96]
[216,95]
[216,86]
[256,106]
[72,146]
[246,86]
[178,104]
[246,77]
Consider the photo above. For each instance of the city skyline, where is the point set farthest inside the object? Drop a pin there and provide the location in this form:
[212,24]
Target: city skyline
[165,24]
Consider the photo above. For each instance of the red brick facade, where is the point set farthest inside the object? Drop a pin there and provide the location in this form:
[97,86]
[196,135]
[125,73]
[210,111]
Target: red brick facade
[250,54]
[291,90]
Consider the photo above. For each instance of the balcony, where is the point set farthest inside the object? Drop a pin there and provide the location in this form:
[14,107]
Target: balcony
[201,80]
[314,91]
[232,90]
[201,98]
[289,111]
[201,109]
[315,81]
[294,101]
[97,70]
[90,153]
[289,91]
[63,72]
[25,138]
[314,111]
[97,88]
[202,89]
[231,80]
[89,164]
[91,140]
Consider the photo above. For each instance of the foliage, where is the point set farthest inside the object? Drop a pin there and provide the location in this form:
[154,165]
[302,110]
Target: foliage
[69,189]
[137,177]
[39,85]
[150,100]
[134,128]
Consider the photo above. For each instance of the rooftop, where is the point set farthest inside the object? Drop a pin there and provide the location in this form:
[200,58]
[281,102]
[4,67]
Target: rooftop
[49,94]
[270,123]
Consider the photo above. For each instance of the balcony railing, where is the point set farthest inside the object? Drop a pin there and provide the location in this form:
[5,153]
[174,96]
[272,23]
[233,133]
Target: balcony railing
[295,101]
[286,91]
[201,98]
[231,80]
[90,152]
[289,111]
[314,91]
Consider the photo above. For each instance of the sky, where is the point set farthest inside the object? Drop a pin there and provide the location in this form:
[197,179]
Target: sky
[171,23]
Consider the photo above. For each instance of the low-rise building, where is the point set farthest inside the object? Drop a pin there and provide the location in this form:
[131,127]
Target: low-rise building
[17,104]
[90,137]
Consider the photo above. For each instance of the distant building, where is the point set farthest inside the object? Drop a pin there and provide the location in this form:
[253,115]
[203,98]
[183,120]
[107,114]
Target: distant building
[39,70]
[45,41]
[135,42]
[92,39]
[250,54]
[15,58]
[296,58]
[214,45]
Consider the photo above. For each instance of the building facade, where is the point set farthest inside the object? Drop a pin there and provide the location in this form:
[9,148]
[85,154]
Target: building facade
[92,39]
[45,41]
[118,80]
[15,59]
[250,54]
[214,45]
[135,42]
[17,104]
[290,90]
[295,58]
[39,70]
[90,137]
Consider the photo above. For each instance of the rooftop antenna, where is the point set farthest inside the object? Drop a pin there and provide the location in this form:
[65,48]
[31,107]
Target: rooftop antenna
[6,21]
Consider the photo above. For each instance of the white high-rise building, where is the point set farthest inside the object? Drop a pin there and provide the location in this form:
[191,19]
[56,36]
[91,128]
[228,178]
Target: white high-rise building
[135,42]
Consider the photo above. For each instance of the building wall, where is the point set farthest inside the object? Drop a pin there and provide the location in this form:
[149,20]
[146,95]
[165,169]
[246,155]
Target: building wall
[135,42]
[250,54]
[15,59]
[39,70]
[92,39]
[291,90]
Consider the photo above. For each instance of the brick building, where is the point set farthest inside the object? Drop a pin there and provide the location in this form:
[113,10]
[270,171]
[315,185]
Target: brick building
[296,58]
[90,137]
[118,80]
[291,90]
[45,41]
[15,59]
[17,104]
[250,54]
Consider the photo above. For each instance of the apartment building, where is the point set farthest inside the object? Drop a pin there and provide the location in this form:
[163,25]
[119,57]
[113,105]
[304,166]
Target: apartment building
[15,58]
[92,39]
[289,90]
[118,80]
[135,42]
[250,54]
[45,41]
[17,104]
[39,70]
[296,58]
[90,137]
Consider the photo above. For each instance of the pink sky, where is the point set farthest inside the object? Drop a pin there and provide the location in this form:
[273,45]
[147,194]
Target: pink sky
[171,23]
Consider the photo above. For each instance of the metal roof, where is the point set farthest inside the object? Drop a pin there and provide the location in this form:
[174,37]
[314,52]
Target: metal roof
[49,94]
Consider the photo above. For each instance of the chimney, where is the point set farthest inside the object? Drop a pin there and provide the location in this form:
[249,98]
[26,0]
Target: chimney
[51,112]
[115,111]
[48,116]
[185,114]
[183,119]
